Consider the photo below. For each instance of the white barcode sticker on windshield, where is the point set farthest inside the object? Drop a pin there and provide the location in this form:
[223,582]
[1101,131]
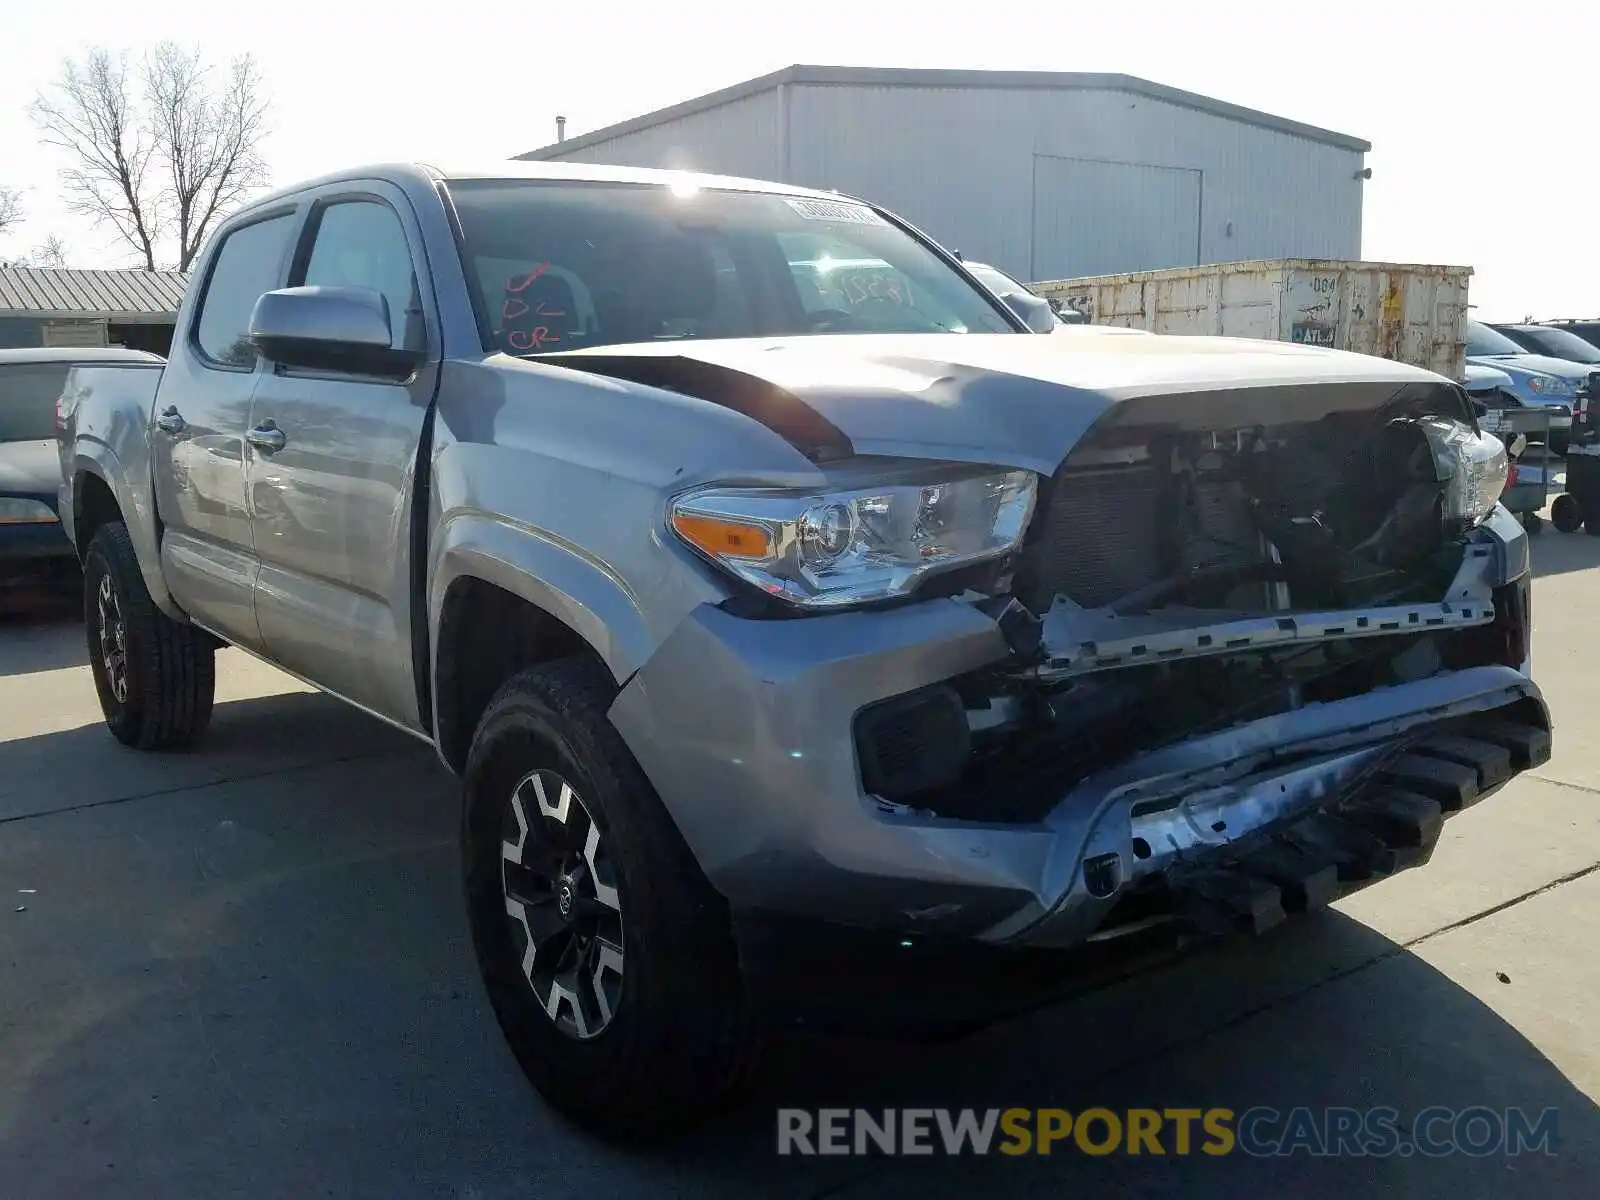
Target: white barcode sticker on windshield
[834,210]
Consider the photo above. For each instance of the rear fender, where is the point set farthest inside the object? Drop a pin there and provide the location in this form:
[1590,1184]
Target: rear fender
[132,488]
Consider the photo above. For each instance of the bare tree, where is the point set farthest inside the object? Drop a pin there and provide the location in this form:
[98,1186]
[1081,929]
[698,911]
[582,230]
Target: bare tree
[159,154]
[90,113]
[207,138]
[10,208]
[52,252]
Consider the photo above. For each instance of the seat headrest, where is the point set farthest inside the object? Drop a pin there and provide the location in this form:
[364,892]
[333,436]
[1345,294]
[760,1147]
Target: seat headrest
[677,279]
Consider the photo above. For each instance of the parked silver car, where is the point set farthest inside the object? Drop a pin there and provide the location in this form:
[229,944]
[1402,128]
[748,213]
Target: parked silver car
[1043,316]
[1537,380]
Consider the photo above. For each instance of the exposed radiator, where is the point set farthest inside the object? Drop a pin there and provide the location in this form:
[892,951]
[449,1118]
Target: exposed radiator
[1103,533]
[1095,538]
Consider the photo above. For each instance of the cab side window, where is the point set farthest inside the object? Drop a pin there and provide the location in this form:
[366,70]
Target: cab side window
[247,264]
[361,243]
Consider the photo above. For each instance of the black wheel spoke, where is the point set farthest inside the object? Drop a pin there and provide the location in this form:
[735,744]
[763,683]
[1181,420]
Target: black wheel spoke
[113,635]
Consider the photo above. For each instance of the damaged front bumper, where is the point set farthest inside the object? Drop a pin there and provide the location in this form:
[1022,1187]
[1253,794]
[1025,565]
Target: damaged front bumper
[745,727]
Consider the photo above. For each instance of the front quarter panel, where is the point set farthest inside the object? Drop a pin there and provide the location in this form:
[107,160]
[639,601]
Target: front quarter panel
[553,485]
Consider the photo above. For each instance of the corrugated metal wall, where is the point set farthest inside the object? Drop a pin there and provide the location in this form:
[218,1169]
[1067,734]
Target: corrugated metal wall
[741,138]
[989,171]
[964,165]
[1144,215]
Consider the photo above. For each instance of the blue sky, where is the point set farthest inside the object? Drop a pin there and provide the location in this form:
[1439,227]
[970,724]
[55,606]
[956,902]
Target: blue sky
[1480,115]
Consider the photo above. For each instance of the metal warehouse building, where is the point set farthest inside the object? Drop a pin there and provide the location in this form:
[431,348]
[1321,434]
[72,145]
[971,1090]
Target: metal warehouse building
[1046,175]
[42,306]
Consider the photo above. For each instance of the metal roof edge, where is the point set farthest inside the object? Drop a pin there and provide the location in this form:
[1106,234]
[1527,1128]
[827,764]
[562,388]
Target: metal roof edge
[126,316]
[685,108]
[123,294]
[921,77]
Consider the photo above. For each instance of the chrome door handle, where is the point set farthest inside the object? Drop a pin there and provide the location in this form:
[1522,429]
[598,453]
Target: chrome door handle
[267,438]
[170,420]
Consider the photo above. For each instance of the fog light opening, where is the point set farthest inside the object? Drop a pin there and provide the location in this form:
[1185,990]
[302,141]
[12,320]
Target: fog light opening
[1102,875]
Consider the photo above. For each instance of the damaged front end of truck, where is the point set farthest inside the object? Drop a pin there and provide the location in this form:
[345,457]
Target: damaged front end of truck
[1256,626]
[1254,662]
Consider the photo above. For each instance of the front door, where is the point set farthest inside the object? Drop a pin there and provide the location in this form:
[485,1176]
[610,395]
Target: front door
[331,463]
[197,439]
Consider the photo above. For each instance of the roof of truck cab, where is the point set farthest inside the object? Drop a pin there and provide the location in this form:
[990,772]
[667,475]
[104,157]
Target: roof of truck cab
[602,173]
[546,171]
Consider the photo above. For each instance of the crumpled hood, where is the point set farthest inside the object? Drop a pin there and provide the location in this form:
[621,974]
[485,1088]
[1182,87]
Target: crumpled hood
[29,468]
[1008,399]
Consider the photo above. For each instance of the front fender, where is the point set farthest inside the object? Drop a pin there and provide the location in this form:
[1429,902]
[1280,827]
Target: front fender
[551,574]
[133,489]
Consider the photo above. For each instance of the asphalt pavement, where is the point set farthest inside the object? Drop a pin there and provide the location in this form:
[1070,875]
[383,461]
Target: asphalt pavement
[245,971]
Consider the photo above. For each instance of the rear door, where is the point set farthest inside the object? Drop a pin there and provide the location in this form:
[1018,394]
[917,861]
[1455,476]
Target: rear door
[331,463]
[197,439]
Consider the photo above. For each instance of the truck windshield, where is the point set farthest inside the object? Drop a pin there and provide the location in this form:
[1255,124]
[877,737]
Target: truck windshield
[1558,343]
[565,265]
[28,394]
[1483,342]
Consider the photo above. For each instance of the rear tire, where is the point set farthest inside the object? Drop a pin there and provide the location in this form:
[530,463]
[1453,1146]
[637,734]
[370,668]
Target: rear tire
[1591,516]
[156,678]
[1533,523]
[1565,514]
[625,1007]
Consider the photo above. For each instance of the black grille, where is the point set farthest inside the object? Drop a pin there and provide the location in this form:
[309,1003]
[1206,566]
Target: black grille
[1094,538]
[912,743]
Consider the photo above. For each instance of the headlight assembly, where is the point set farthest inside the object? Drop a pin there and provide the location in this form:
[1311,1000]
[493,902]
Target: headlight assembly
[25,512]
[1472,466]
[829,549]
[1552,385]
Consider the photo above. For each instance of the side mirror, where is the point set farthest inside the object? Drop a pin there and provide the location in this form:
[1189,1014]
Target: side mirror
[344,329]
[1032,309]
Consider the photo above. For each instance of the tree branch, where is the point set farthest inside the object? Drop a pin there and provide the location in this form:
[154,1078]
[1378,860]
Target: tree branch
[169,165]
[10,208]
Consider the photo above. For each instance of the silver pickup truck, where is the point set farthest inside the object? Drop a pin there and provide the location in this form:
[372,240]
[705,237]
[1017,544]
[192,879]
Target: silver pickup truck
[755,567]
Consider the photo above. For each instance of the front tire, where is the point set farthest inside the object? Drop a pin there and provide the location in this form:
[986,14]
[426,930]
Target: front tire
[156,678]
[608,958]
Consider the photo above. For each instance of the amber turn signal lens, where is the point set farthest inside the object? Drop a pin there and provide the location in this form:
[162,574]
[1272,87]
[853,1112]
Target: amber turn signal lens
[721,537]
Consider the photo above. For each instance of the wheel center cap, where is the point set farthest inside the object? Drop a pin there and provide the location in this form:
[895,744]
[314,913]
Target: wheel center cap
[566,899]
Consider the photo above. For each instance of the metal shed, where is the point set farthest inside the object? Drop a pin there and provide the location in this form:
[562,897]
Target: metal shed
[1046,175]
[47,306]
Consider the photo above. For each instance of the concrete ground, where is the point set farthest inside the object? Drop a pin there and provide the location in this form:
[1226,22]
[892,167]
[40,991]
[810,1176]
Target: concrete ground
[246,971]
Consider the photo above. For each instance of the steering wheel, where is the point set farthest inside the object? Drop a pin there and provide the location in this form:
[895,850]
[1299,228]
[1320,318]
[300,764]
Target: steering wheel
[830,320]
